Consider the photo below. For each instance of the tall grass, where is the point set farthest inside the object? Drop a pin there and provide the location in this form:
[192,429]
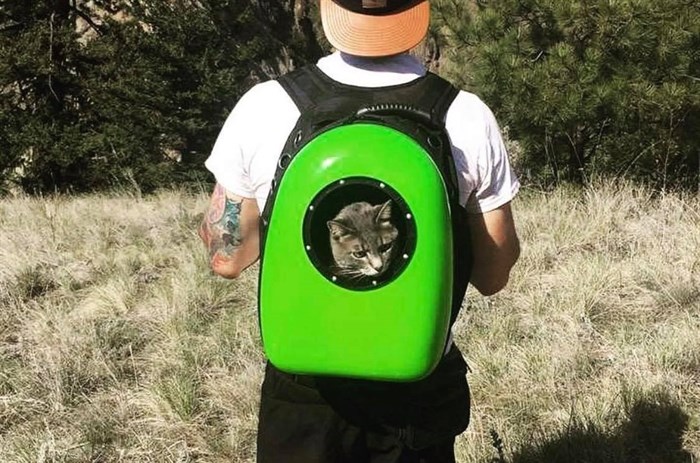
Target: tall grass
[117,344]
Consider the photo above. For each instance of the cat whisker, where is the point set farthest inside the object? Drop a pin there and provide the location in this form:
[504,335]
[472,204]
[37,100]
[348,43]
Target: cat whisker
[352,274]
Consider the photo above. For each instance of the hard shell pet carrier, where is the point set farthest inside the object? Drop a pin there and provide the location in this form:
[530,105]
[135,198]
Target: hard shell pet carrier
[361,272]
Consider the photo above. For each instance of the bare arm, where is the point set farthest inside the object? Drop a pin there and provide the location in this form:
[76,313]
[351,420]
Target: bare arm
[495,247]
[230,232]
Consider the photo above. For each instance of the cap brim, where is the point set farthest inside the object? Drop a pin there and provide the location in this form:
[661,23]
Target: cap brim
[374,36]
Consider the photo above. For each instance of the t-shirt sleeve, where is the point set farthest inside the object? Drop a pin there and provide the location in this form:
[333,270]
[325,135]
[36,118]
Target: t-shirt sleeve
[226,160]
[497,184]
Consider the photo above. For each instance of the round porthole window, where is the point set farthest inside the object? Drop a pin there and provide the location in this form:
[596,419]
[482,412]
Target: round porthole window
[359,233]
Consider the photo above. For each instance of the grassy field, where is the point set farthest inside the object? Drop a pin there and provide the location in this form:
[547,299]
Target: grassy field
[118,345]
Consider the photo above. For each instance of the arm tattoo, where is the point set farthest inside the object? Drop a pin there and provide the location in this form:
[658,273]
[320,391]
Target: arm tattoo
[224,224]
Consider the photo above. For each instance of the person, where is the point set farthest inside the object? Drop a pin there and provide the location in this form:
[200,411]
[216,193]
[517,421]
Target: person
[318,420]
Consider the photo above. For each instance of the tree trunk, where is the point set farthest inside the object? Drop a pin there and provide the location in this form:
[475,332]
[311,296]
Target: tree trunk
[577,158]
[294,25]
[304,21]
[60,14]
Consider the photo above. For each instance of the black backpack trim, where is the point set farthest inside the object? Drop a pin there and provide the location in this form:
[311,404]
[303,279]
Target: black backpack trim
[417,108]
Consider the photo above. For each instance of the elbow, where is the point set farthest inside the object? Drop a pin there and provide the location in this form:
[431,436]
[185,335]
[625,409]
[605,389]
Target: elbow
[225,268]
[491,286]
[492,279]
[227,273]
[231,266]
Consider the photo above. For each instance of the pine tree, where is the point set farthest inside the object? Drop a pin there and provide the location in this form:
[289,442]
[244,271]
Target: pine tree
[96,93]
[588,87]
[40,87]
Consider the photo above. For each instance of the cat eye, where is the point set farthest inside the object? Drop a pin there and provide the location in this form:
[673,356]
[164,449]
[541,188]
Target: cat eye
[385,247]
[359,254]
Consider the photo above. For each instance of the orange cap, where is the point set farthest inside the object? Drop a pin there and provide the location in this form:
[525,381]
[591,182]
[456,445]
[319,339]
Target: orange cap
[375,28]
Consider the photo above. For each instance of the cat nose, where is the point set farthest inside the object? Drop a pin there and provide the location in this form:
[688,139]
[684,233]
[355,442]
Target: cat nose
[376,262]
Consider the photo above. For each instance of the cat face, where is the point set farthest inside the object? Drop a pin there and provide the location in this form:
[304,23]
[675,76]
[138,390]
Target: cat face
[362,239]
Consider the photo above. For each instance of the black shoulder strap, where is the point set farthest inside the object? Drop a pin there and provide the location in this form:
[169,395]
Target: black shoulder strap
[445,94]
[437,95]
[304,86]
[311,89]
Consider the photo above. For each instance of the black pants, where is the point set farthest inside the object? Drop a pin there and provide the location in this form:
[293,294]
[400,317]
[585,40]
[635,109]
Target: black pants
[331,420]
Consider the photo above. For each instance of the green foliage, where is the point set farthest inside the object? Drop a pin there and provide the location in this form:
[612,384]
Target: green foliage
[40,89]
[94,94]
[138,98]
[587,87]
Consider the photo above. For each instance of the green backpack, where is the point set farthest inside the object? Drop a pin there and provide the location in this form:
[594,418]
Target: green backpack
[365,251]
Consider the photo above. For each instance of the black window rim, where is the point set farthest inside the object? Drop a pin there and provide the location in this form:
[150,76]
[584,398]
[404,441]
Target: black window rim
[401,257]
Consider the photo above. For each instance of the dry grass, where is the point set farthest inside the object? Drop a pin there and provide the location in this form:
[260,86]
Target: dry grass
[116,344]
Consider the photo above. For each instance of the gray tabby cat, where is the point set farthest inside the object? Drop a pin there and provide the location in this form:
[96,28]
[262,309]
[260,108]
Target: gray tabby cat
[362,239]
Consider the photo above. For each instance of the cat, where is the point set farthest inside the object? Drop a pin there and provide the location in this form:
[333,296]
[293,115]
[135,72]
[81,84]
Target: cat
[362,240]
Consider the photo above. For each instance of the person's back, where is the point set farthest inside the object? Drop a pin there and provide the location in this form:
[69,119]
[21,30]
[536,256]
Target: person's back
[309,419]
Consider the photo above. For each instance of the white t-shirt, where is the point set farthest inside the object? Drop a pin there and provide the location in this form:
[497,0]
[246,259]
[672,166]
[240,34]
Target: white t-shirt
[246,152]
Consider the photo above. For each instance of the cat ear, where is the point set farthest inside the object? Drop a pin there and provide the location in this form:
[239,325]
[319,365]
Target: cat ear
[338,229]
[384,212]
